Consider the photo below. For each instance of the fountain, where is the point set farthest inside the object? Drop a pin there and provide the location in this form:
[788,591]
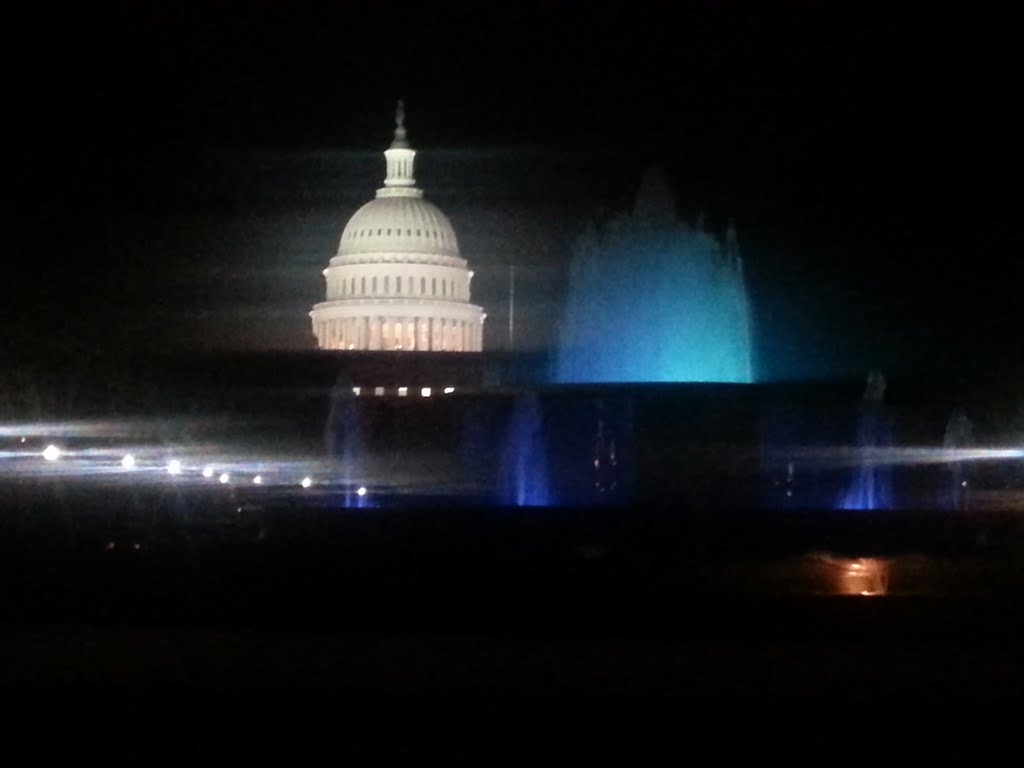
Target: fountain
[958,435]
[872,484]
[523,481]
[652,299]
[345,439]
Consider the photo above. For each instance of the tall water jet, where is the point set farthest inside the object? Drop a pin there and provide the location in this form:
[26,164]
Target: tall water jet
[523,480]
[652,299]
[871,487]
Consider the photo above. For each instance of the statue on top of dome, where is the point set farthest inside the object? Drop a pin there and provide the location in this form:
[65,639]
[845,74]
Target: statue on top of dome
[400,137]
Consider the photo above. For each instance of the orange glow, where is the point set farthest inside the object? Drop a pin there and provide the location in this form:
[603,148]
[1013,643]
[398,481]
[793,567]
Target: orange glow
[863,576]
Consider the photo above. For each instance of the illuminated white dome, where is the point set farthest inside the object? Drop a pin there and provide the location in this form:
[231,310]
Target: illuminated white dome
[397,280]
[399,225]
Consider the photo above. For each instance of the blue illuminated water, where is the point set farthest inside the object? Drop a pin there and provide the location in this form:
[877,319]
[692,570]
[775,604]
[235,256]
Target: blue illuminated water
[523,479]
[871,485]
[652,299]
[871,489]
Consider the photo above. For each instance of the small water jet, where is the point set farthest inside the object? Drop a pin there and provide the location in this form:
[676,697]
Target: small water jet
[523,481]
[345,439]
[958,435]
[872,484]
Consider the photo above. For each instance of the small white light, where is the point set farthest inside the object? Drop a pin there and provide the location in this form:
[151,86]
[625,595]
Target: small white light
[128,462]
[23,439]
[403,391]
[449,390]
[378,391]
[963,484]
[356,391]
[362,490]
[174,467]
[425,392]
[224,477]
[207,471]
[306,482]
[258,480]
[52,453]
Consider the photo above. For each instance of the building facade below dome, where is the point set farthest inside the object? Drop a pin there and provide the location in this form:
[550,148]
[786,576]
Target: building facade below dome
[398,281]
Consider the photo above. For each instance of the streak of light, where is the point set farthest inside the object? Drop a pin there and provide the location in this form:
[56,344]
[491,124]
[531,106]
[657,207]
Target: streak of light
[95,428]
[849,456]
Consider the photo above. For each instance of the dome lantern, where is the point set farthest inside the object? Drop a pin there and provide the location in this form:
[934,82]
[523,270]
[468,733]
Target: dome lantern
[400,158]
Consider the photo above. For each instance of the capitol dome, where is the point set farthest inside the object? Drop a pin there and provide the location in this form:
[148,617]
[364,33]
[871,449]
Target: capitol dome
[410,226]
[398,280]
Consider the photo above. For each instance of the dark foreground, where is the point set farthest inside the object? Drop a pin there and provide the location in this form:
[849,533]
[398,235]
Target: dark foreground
[484,636]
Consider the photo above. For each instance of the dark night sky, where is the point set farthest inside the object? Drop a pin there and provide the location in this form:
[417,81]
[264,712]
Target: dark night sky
[181,171]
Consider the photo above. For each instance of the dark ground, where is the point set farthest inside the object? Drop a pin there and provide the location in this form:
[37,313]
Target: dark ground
[491,636]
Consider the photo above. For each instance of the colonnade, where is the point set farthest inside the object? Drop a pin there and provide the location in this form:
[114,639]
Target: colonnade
[407,333]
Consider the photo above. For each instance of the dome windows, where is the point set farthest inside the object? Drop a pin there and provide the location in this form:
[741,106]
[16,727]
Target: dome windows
[399,217]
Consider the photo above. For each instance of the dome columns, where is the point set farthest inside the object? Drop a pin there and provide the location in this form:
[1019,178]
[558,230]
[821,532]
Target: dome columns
[386,332]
